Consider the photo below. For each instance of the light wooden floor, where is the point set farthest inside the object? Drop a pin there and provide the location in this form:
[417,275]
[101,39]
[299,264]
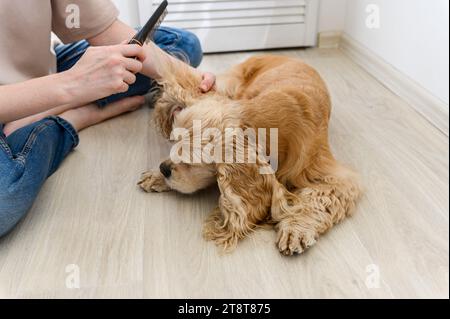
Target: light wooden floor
[130,244]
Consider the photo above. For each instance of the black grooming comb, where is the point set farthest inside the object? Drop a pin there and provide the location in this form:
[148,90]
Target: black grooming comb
[150,27]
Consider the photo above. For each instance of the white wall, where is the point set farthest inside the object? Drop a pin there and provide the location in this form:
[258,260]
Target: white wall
[413,37]
[129,11]
[413,34]
[332,15]
[135,12]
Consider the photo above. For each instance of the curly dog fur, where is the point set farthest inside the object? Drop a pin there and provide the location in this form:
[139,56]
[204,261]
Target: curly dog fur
[308,194]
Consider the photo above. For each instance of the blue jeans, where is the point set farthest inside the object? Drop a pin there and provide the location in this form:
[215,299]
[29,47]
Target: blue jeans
[32,154]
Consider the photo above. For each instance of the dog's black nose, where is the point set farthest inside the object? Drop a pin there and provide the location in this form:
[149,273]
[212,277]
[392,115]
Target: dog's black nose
[165,170]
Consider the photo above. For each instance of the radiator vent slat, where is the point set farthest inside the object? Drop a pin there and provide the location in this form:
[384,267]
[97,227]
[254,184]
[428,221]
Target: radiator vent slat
[235,22]
[220,15]
[171,2]
[233,25]
[217,6]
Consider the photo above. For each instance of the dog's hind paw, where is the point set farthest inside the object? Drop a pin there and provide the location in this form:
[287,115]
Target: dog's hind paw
[153,182]
[293,241]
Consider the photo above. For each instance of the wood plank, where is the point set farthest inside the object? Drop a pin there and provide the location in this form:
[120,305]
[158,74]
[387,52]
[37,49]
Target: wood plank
[131,245]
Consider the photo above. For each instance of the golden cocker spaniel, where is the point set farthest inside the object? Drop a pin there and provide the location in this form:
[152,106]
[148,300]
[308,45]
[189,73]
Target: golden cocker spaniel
[307,191]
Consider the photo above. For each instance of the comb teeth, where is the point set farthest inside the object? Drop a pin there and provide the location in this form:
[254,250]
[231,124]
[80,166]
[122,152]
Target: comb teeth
[157,25]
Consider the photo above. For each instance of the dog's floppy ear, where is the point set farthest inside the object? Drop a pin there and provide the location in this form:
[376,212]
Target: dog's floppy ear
[245,192]
[245,200]
[180,86]
[165,110]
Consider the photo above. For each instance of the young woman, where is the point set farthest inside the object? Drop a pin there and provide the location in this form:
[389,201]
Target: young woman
[46,100]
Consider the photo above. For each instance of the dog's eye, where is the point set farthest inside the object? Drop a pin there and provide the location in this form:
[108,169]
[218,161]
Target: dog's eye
[177,110]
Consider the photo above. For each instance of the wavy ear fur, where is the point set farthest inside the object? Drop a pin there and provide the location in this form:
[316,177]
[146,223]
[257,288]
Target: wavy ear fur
[245,197]
[244,203]
[180,87]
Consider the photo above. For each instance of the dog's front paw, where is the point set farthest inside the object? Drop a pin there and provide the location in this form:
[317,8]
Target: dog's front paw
[153,182]
[293,239]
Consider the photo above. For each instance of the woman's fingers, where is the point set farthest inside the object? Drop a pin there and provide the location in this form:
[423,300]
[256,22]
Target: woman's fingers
[123,87]
[133,65]
[133,51]
[208,82]
[129,78]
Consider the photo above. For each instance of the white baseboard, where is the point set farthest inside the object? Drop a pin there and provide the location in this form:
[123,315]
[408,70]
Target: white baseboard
[429,106]
[329,39]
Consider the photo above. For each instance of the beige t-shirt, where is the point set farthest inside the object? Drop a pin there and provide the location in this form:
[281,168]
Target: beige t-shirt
[26,25]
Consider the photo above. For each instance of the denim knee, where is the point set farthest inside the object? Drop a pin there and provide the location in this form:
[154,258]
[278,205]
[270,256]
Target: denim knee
[11,215]
[8,222]
[181,44]
[27,158]
[12,203]
[15,200]
[191,45]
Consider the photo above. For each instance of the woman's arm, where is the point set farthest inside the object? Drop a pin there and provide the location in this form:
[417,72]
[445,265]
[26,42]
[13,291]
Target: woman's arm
[101,72]
[157,60]
[34,96]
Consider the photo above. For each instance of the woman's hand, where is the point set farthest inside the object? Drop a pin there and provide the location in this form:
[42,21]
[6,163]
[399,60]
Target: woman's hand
[107,70]
[208,82]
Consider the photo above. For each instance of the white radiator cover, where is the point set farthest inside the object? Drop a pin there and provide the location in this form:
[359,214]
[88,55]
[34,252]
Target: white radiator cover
[238,25]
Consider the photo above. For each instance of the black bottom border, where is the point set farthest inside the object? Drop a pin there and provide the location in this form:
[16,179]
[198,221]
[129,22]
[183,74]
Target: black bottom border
[206,308]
